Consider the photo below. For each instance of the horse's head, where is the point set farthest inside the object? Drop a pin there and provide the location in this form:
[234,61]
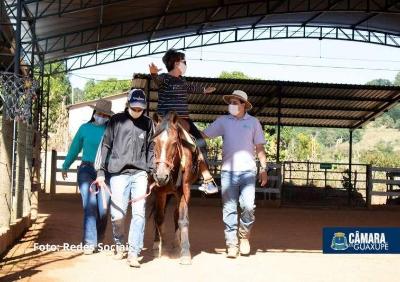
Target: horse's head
[167,147]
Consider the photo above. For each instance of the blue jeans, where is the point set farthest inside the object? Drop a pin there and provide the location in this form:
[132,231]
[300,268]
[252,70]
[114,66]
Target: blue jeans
[237,186]
[95,215]
[125,187]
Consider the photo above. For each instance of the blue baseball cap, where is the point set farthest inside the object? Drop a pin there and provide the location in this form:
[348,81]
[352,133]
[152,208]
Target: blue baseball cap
[137,98]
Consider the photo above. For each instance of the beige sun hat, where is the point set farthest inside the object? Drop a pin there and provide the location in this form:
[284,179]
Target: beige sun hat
[239,94]
[103,106]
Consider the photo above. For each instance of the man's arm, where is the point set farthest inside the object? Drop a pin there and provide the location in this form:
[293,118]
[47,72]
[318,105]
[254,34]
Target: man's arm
[106,147]
[262,156]
[213,130]
[150,147]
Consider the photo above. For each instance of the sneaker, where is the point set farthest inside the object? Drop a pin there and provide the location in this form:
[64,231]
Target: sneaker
[119,254]
[209,188]
[244,247]
[232,252]
[133,261]
[88,251]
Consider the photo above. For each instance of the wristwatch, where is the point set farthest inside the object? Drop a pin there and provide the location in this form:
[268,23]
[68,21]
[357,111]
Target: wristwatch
[263,167]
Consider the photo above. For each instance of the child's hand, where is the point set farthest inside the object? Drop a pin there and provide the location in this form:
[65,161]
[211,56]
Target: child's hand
[209,90]
[153,68]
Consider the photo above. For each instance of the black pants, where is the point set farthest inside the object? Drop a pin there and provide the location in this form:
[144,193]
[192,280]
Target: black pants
[194,130]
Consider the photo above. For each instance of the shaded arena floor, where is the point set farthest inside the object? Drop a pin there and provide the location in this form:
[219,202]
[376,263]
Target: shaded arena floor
[286,245]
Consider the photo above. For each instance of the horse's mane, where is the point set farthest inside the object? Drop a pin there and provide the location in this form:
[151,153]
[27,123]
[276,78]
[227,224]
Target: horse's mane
[165,124]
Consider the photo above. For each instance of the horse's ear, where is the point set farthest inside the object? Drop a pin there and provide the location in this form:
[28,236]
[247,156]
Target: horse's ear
[156,118]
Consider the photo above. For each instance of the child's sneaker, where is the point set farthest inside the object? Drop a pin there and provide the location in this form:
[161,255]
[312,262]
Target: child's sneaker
[209,188]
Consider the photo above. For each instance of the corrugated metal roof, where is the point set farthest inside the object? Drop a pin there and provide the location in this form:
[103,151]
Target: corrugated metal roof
[301,103]
[76,26]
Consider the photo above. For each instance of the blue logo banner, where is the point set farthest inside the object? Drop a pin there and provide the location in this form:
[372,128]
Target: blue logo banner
[361,240]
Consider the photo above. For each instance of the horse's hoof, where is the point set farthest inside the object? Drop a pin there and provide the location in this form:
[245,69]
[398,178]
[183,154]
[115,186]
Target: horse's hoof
[185,261]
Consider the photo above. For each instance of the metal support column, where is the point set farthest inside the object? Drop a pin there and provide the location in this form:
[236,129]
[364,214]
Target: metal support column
[46,128]
[350,184]
[17,60]
[278,141]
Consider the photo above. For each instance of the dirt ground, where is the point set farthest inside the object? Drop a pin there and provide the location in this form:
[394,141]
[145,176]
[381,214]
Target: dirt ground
[286,244]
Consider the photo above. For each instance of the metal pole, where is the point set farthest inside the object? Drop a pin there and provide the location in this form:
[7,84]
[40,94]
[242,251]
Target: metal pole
[278,142]
[40,99]
[46,130]
[148,96]
[369,186]
[17,56]
[350,166]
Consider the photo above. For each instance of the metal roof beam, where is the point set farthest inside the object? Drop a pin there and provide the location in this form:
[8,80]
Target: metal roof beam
[269,115]
[45,9]
[333,97]
[124,29]
[264,115]
[328,117]
[160,20]
[367,18]
[326,108]
[299,124]
[294,107]
[378,112]
[278,92]
[305,125]
[331,4]
[269,11]
[143,49]
[210,17]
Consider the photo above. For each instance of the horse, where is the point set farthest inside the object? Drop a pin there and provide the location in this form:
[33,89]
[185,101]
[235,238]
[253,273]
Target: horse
[174,173]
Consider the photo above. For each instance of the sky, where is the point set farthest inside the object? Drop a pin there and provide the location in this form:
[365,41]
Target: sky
[311,60]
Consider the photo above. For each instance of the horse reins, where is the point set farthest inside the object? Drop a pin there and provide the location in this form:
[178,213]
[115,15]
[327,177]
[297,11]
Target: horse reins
[105,187]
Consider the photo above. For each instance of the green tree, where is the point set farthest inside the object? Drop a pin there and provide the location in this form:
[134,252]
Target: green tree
[384,120]
[77,95]
[234,75]
[379,158]
[214,145]
[60,89]
[95,90]
[380,82]
[397,79]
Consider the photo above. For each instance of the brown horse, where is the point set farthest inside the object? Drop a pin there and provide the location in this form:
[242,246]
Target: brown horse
[174,175]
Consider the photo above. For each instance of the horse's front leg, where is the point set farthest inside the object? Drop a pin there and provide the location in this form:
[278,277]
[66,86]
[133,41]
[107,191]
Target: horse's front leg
[183,223]
[161,199]
[177,241]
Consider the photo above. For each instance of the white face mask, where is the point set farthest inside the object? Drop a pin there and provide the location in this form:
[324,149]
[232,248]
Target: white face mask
[182,68]
[134,114]
[99,120]
[233,109]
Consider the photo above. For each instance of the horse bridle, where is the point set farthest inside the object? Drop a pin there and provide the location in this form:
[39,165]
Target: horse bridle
[168,163]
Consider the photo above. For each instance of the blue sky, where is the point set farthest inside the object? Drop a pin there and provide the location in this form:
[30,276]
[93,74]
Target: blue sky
[285,59]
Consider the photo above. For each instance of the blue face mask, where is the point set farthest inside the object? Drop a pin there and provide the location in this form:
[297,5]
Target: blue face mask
[100,120]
